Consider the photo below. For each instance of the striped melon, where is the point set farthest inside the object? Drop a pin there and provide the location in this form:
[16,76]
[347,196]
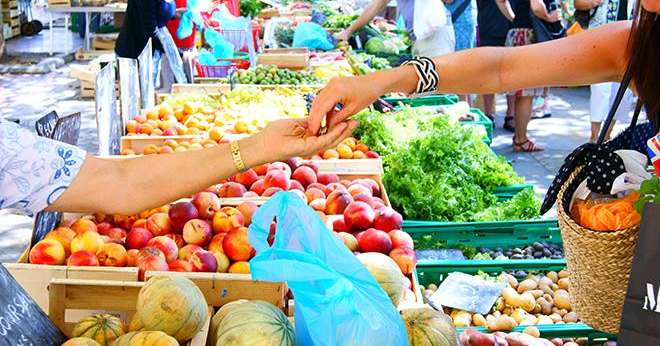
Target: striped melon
[386,272]
[103,328]
[136,324]
[145,339]
[428,327]
[81,342]
[171,304]
[251,322]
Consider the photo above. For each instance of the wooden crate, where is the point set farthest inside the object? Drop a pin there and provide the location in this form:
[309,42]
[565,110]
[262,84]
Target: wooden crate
[138,143]
[9,13]
[9,4]
[104,42]
[83,55]
[59,3]
[34,278]
[116,297]
[293,61]
[357,166]
[211,86]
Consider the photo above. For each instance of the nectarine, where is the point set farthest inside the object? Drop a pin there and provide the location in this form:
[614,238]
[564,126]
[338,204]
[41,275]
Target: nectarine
[47,251]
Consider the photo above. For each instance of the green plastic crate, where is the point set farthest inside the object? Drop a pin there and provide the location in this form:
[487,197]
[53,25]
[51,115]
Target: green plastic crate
[482,120]
[562,331]
[504,193]
[431,100]
[484,234]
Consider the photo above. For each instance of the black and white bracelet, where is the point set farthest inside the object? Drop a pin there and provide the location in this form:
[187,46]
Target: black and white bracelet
[428,76]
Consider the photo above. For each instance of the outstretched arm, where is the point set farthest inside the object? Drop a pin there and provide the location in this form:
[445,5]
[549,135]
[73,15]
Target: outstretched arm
[595,56]
[129,185]
[369,13]
[505,7]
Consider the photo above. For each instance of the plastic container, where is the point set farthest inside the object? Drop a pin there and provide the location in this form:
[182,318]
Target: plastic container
[220,71]
[482,120]
[507,192]
[431,100]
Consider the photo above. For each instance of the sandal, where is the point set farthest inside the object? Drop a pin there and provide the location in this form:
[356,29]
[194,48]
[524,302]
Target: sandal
[507,124]
[527,146]
[490,116]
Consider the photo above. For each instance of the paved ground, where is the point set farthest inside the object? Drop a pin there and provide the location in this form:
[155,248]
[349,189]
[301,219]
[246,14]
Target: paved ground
[27,97]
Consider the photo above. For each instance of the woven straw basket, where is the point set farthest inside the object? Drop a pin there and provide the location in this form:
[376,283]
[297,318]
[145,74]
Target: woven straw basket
[600,264]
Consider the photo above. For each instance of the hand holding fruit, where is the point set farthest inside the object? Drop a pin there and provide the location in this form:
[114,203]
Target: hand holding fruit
[283,139]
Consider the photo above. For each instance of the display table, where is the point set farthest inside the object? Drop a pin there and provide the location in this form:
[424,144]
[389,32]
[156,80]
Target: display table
[87,11]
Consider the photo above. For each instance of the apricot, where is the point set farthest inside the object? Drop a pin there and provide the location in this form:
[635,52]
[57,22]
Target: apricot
[47,251]
[241,267]
[361,147]
[358,155]
[83,225]
[247,209]
[87,241]
[344,151]
[330,154]
[83,258]
[112,255]
[216,134]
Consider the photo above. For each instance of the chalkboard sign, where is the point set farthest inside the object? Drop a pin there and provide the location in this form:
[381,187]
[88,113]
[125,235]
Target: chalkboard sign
[22,322]
[108,122]
[129,86]
[46,124]
[146,72]
[44,222]
[172,54]
[67,129]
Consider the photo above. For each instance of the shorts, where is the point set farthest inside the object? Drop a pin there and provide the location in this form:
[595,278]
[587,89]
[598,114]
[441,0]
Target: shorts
[601,101]
[522,37]
[488,41]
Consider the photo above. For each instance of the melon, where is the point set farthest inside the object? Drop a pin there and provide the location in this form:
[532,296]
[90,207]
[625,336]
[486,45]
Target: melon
[81,342]
[251,322]
[136,324]
[428,327]
[386,272]
[171,304]
[155,338]
[102,328]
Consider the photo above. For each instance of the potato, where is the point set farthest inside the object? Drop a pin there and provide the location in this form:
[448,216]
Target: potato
[533,331]
[570,317]
[563,312]
[563,283]
[508,278]
[563,274]
[527,285]
[479,320]
[546,306]
[555,317]
[507,311]
[544,320]
[552,276]
[528,302]
[536,293]
[554,287]
[519,315]
[499,304]
[520,339]
[557,342]
[562,300]
[502,323]
[529,321]
[461,318]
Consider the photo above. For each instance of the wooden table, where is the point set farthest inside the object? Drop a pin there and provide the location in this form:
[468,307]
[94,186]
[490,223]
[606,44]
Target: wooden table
[87,11]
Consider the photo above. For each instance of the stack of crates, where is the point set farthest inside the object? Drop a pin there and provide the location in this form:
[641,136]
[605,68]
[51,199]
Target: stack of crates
[11,20]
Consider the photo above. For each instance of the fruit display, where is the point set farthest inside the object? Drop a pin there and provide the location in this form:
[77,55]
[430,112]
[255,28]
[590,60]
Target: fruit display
[350,148]
[103,329]
[387,274]
[428,327]
[537,299]
[537,250]
[427,159]
[146,339]
[272,75]
[251,322]
[529,337]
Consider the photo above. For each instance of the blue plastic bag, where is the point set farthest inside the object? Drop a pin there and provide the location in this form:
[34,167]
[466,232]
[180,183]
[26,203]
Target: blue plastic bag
[338,302]
[312,36]
[222,49]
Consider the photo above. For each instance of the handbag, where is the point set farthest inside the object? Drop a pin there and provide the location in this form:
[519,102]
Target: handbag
[544,31]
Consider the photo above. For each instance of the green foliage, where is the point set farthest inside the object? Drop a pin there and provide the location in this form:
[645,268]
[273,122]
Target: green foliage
[339,21]
[251,8]
[649,192]
[524,205]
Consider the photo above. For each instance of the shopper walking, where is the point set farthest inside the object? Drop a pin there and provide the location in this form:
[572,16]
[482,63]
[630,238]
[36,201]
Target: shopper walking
[434,40]
[462,16]
[38,173]
[603,12]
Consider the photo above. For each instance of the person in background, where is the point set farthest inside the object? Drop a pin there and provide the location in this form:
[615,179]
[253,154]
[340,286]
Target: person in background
[37,172]
[441,42]
[602,94]
[462,15]
[492,27]
[186,43]
[140,23]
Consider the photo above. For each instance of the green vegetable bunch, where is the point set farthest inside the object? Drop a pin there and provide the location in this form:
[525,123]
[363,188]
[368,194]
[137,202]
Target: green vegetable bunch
[270,75]
[339,21]
[251,8]
[649,192]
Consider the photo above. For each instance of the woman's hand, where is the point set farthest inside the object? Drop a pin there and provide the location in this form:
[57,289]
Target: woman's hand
[353,93]
[283,139]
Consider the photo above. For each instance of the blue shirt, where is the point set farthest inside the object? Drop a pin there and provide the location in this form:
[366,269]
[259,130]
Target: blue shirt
[407,11]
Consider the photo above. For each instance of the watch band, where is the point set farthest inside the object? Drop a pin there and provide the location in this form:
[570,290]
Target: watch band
[236,156]
[428,75]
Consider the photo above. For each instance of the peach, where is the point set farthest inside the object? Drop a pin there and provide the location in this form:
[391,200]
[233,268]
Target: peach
[138,238]
[318,204]
[335,187]
[103,226]
[246,178]
[150,149]
[204,261]
[216,134]
[159,224]
[180,266]
[125,222]
[247,209]
[304,175]
[280,166]
[339,225]
[216,242]
[131,257]
[294,162]
[372,155]
[250,194]
[150,251]
[344,151]
[349,240]
[314,193]
[276,178]
[358,235]
[83,225]
[350,142]
[271,191]
[182,212]
[241,267]
[258,187]
[151,263]
[359,216]
[374,240]
[222,260]
[405,258]
[237,246]
[227,219]
[316,186]
[112,255]
[206,203]
[87,241]
[178,239]
[327,178]
[357,189]
[370,183]
[47,251]
[231,189]
[330,154]
[401,239]
[337,202]
[388,219]
[197,232]
[346,183]
[364,198]
[132,126]
[300,194]
[82,258]
[166,245]
[165,149]
[115,233]
[62,235]
[140,223]
[261,169]
[187,251]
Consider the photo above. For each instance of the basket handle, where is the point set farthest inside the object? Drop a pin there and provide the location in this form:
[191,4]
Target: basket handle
[627,78]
